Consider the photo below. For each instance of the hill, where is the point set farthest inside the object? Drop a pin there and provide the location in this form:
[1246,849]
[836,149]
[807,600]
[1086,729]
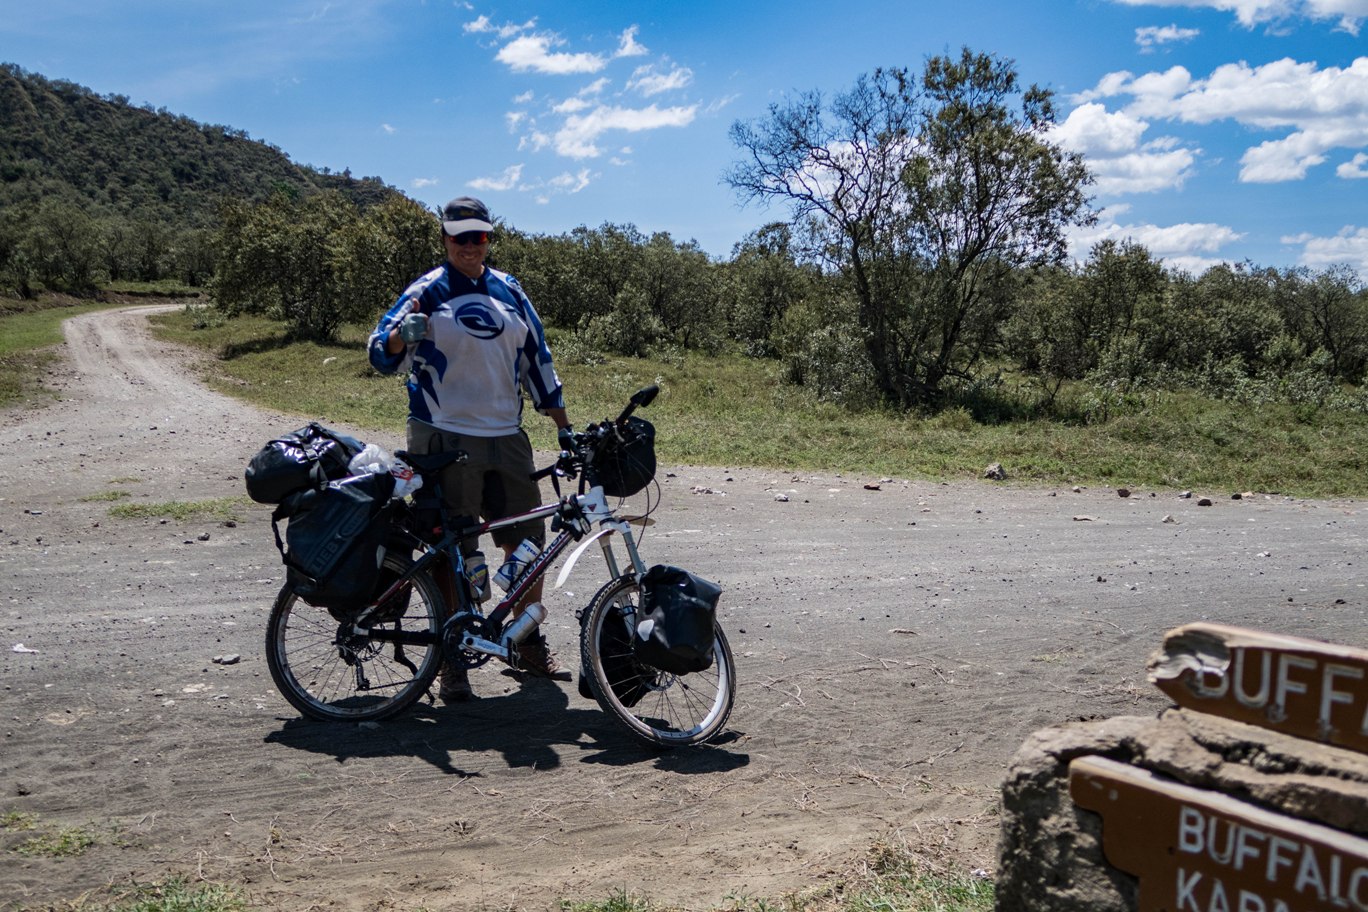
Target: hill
[61,141]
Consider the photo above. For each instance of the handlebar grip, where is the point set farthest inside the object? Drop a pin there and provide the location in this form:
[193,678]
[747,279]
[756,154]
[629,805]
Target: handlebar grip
[641,398]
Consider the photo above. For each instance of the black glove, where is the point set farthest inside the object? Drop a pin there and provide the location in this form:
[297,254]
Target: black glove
[565,437]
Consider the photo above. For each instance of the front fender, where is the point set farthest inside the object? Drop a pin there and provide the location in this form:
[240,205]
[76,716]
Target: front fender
[607,528]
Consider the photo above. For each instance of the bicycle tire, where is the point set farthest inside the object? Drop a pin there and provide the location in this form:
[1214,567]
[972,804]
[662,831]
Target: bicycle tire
[335,675]
[660,709]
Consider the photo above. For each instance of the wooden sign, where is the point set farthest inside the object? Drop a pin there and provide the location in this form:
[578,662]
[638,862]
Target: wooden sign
[1297,686]
[1198,851]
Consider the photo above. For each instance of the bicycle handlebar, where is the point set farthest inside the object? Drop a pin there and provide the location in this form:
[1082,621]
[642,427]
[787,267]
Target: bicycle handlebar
[640,399]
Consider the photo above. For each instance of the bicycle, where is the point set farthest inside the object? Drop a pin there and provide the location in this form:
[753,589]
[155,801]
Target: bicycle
[376,662]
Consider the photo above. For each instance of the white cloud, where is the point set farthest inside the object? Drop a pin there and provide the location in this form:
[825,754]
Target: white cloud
[647,81]
[1152,36]
[418,183]
[627,45]
[570,183]
[1191,247]
[483,25]
[573,105]
[515,119]
[1355,169]
[505,181]
[1324,109]
[577,138]
[524,98]
[533,53]
[390,130]
[1110,143]
[1092,129]
[1349,247]
[1347,14]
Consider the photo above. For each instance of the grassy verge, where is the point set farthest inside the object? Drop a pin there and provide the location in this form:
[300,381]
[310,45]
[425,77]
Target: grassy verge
[737,412]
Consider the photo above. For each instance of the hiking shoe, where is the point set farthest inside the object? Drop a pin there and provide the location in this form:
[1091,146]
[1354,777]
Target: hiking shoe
[536,657]
[455,685]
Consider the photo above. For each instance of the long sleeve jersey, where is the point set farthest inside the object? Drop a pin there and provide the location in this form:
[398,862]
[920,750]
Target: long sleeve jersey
[485,343]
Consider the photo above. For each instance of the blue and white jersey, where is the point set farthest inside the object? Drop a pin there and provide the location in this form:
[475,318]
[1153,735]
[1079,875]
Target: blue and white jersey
[485,343]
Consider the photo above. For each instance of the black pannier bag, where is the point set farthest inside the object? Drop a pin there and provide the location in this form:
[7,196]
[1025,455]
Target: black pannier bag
[335,541]
[306,459]
[626,464]
[675,632]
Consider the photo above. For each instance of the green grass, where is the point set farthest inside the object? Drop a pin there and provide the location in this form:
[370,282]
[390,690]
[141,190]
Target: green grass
[105,496]
[736,412]
[221,508]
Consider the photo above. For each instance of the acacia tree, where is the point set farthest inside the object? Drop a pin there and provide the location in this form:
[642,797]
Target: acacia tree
[925,195]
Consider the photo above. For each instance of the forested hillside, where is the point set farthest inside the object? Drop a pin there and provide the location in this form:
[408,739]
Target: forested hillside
[59,140]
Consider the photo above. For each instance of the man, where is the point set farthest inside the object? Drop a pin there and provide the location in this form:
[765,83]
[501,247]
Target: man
[472,343]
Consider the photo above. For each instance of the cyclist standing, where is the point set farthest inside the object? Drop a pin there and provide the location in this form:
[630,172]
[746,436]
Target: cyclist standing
[473,343]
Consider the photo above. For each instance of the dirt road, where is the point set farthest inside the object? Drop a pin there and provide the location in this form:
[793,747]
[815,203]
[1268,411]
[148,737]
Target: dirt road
[895,646]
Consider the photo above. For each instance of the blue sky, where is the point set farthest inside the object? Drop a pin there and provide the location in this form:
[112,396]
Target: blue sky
[1219,130]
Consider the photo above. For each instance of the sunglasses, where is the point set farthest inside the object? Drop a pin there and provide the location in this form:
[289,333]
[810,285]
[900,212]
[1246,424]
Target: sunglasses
[466,238]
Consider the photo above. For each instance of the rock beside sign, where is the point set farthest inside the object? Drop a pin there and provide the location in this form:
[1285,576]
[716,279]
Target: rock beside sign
[1050,850]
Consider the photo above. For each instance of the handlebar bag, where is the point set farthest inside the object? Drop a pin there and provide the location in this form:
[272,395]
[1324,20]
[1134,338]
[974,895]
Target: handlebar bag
[335,542]
[305,459]
[626,461]
[676,630]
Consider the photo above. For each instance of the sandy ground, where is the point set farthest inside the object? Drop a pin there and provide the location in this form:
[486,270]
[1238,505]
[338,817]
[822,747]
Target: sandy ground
[896,642]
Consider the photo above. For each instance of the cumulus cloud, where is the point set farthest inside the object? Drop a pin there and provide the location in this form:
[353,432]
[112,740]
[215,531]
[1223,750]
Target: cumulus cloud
[483,26]
[1348,247]
[508,180]
[418,183]
[1110,142]
[533,53]
[570,183]
[1190,246]
[1323,109]
[627,45]
[578,137]
[649,81]
[1354,169]
[1152,36]
[1346,14]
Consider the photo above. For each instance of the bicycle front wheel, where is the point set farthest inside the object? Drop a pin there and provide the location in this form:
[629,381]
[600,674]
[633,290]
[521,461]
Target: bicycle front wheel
[330,669]
[659,708]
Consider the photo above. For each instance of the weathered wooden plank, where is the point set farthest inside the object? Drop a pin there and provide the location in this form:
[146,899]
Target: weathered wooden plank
[1199,851]
[1298,686]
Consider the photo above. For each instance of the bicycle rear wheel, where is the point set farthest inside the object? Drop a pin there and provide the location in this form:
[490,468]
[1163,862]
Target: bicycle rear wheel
[659,708]
[330,670]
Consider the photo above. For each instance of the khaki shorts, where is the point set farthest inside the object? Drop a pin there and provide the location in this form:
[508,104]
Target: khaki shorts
[495,482]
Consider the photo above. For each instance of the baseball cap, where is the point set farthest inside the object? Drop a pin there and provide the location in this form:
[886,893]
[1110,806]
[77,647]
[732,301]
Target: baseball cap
[465,213]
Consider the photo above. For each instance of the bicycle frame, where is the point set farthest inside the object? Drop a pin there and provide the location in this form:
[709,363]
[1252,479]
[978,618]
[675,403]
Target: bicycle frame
[573,517]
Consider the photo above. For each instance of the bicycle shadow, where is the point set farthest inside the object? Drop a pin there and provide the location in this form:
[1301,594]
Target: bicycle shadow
[532,727]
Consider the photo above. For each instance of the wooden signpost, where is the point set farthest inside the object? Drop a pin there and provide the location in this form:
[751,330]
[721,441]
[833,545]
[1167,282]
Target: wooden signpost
[1300,687]
[1199,851]
[1195,850]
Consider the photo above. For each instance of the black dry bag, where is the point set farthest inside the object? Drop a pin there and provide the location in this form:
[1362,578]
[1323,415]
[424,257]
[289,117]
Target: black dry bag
[675,631]
[306,459]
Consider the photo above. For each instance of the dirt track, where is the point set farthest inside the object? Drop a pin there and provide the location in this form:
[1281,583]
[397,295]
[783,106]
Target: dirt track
[894,647]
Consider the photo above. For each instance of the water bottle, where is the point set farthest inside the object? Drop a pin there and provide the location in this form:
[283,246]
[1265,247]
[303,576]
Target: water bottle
[526,622]
[513,567]
[477,574]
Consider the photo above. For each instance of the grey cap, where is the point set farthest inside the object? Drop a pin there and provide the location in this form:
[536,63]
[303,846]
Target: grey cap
[465,213]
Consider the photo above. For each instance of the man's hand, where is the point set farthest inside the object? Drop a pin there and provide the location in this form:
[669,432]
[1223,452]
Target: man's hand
[414,328]
[565,437]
